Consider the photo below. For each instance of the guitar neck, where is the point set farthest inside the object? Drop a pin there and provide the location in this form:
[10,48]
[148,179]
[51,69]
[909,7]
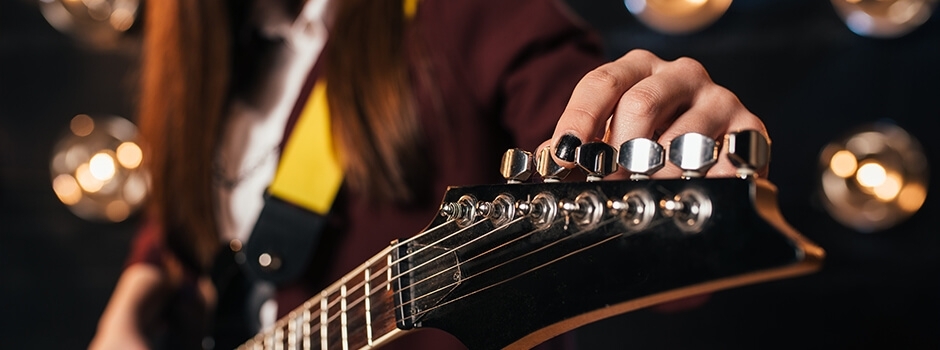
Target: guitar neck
[356,312]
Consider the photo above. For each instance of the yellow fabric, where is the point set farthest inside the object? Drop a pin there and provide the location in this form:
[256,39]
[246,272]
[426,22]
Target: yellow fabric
[309,174]
[411,7]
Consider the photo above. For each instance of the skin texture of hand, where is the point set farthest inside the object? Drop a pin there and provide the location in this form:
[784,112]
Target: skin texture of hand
[641,95]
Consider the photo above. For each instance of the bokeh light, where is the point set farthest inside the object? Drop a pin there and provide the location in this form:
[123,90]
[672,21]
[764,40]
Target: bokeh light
[874,177]
[97,22]
[677,16]
[96,169]
[884,18]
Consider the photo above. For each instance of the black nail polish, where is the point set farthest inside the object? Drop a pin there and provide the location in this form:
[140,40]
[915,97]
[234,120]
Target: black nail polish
[564,149]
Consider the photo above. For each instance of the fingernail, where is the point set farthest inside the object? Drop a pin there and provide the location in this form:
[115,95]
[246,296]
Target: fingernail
[565,147]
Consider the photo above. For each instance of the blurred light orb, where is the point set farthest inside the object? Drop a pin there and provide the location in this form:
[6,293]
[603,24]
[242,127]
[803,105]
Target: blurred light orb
[677,16]
[874,177]
[98,22]
[884,18]
[96,168]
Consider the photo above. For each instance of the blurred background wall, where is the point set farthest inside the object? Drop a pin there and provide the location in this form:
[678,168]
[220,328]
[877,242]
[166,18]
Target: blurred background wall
[795,63]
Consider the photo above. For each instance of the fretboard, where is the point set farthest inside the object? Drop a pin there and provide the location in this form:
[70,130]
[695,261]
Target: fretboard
[356,312]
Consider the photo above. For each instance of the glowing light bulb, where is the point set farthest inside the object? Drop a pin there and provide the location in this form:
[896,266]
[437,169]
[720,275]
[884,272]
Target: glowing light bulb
[67,189]
[129,155]
[884,18]
[871,175]
[82,125]
[890,188]
[97,168]
[843,164]
[884,188]
[88,181]
[101,166]
[677,16]
[100,23]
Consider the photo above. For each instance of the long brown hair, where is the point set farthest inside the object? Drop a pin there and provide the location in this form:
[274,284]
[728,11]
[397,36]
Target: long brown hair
[187,72]
[371,106]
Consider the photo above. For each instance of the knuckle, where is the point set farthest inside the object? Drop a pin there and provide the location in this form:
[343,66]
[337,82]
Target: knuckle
[641,54]
[691,68]
[641,102]
[603,78]
[724,98]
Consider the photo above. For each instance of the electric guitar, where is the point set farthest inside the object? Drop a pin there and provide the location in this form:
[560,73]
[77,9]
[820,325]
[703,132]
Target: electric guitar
[513,265]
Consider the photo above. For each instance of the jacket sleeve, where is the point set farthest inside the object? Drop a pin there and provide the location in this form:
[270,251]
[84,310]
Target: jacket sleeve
[521,59]
[147,246]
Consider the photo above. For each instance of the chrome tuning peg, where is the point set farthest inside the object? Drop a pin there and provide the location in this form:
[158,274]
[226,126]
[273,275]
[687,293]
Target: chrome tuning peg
[694,153]
[517,165]
[546,167]
[748,150]
[642,157]
[597,159]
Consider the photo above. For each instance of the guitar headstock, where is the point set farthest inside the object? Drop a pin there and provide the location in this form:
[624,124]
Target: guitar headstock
[515,264]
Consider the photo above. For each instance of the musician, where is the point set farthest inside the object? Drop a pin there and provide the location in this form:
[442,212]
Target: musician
[421,95]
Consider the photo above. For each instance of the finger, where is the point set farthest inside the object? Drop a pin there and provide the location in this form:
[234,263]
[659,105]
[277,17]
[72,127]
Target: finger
[593,100]
[715,113]
[651,105]
[576,174]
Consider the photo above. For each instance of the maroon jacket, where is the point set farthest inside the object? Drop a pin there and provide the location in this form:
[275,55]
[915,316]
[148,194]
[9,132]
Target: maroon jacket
[502,71]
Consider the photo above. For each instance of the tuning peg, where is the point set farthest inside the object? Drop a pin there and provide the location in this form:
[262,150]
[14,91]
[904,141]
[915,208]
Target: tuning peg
[597,159]
[517,165]
[642,157]
[694,153]
[546,167]
[748,150]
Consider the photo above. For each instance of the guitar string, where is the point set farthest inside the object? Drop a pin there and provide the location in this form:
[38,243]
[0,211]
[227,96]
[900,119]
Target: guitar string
[664,191]
[435,307]
[385,284]
[381,272]
[422,312]
[334,331]
[498,266]
[354,289]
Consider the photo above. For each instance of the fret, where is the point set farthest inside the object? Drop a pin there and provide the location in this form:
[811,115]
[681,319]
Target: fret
[381,305]
[388,271]
[367,284]
[343,317]
[306,341]
[324,318]
[356,312]
[334,312]
[292,330]
[269,341]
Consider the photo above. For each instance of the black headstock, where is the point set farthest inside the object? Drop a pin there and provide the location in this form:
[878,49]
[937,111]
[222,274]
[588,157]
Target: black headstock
[514,265]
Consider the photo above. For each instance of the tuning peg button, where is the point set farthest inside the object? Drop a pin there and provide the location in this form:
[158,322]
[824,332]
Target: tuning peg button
[694,153]
[748,150]
[546,167]
[517,165]
[598,159]
[642,157]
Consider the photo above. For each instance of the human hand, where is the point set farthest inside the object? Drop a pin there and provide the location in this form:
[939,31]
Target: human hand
[135,295]
[641,95]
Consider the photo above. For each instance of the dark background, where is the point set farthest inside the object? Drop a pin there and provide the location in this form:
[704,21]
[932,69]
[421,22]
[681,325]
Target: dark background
[792,62]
